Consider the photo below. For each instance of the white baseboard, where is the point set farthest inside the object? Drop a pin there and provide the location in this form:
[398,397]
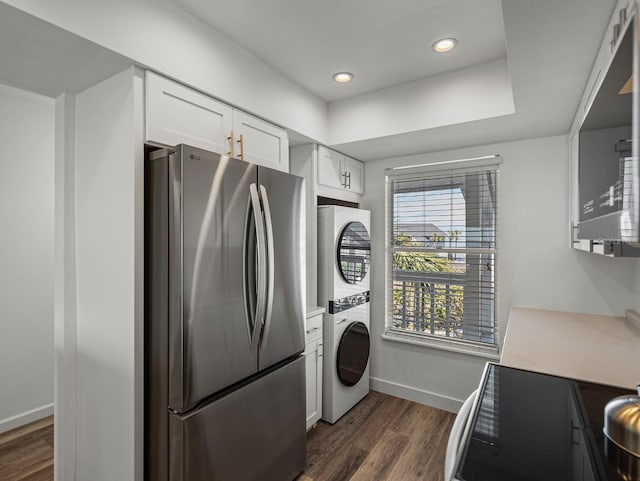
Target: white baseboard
[25,418]
[416,395]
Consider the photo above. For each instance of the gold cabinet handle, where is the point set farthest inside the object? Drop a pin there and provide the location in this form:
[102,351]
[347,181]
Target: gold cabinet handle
[230,139]
[241,142]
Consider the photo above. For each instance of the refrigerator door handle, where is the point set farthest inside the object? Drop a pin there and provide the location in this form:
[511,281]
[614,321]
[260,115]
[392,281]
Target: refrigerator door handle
[249,270]
[270,264]
[261,286]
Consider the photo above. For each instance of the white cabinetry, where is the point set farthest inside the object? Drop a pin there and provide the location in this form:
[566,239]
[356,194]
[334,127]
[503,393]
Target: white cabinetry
[354,169]
[322,168]
[337,171]
[260,142]
[330,168]
[623,10]
[176,114]
[313,364]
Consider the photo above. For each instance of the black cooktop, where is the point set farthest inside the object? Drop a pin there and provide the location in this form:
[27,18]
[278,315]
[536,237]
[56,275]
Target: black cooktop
[536,427]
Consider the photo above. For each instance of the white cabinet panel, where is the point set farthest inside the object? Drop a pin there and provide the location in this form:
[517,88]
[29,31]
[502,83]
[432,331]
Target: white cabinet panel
[355,175]
[313,362]
[330,168]
[339,171]
[262,143]
[623,11]
[176,114]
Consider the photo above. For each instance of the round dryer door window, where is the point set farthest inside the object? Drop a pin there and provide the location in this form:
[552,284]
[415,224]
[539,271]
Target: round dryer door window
[354,252]
[353,354]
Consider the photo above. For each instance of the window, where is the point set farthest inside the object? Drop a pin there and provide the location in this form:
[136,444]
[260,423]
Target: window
[441,253]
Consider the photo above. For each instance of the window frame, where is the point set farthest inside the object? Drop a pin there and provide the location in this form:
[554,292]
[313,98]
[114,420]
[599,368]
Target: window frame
[477,348]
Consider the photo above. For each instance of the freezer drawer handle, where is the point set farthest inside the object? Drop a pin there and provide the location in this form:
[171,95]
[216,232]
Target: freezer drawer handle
[269,264]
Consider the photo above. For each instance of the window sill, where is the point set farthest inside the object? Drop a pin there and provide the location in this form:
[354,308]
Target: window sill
[491,353]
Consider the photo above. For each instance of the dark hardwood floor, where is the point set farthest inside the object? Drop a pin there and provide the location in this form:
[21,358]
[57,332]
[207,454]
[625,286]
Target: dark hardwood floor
[383,438]
[26,453]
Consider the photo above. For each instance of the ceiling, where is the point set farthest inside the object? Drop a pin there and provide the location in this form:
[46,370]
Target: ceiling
[42,58]
[549,47]
[383,43]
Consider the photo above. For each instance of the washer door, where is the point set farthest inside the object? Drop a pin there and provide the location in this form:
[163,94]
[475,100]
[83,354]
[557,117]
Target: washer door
[353,353]
[354,252]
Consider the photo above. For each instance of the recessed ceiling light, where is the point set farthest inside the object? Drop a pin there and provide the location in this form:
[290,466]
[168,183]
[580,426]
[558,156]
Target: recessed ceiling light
[343,77]
[444,45]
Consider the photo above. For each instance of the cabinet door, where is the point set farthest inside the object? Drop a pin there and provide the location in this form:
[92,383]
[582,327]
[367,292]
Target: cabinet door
[355,174]
[176,114]
[319,363]
[262,143]
[313,365]
[330,168]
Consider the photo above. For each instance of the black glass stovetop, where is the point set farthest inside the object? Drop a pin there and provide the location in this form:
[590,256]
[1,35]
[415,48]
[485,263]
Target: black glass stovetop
[536,427]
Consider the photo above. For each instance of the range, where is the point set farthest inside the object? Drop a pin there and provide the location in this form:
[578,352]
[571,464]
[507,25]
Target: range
[531,426]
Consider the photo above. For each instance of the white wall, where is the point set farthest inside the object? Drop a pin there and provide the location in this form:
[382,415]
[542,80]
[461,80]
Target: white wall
[109,263]
[159,35]
[536,266]
[65,319]
[26,257]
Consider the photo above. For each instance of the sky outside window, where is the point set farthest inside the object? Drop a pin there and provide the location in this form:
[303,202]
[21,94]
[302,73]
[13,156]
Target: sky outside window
[444,208]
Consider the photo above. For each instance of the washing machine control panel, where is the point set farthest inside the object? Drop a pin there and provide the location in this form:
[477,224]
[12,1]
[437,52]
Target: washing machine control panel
[339,305]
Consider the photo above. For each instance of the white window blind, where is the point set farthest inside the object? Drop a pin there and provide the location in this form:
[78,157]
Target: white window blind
[441,251]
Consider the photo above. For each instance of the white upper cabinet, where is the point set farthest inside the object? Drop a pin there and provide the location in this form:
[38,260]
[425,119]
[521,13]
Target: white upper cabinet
[338,171]
[330,168]
[622,13]
[176,114]
[354,170]
[260,142]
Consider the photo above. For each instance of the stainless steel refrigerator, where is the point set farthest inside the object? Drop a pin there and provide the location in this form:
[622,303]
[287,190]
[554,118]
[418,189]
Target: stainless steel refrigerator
[224,333]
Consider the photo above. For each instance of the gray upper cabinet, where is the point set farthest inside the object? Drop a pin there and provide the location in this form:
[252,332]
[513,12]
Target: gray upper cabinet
[176,114]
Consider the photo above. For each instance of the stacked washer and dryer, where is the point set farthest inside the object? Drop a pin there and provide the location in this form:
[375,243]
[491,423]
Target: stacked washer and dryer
[344,253]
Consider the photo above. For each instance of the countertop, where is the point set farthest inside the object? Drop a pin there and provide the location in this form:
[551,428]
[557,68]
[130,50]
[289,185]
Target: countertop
[314,311]
[601,349]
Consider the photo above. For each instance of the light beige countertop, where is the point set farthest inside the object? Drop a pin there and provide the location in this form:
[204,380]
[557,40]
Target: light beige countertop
[314,311]
[600,349]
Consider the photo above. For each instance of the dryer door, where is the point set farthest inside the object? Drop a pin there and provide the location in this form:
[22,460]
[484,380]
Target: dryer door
[353,353]
[354,252]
